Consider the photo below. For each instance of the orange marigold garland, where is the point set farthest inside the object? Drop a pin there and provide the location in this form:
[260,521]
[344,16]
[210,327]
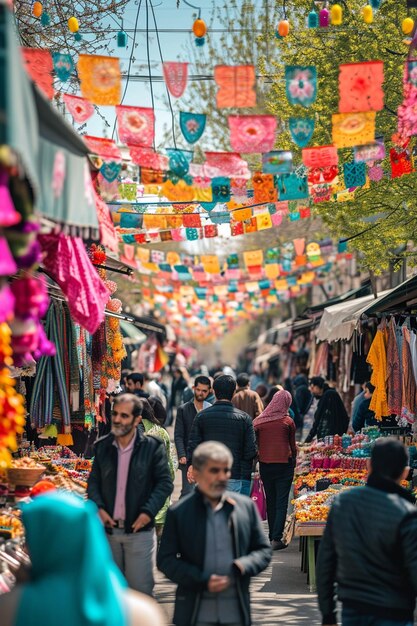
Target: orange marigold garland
[12,411]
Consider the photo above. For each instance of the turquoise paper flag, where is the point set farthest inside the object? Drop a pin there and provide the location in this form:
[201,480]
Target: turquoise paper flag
[63,66]
[192,125]
[301,129]
[301,84]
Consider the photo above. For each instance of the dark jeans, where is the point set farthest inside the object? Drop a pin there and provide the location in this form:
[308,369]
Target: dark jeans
[351,617]
[277,479]
[186,487]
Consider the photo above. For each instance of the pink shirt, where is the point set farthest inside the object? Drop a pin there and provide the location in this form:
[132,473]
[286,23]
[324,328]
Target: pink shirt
[123,461]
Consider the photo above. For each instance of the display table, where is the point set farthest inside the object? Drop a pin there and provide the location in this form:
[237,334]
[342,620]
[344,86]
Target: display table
[310,532]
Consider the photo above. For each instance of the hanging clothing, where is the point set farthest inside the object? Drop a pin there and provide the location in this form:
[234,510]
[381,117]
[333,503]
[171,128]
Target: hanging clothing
[409,388]
[394,366]
[413,350]
[377,359]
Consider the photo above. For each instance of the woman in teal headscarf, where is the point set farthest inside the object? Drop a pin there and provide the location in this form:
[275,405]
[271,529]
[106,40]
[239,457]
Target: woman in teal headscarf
[74,580]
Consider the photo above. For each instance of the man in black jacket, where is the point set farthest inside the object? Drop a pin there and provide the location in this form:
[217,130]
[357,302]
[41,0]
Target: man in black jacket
[212,544]
[185,418]
[331,417]
[224,422]
[369,547]
[129,482]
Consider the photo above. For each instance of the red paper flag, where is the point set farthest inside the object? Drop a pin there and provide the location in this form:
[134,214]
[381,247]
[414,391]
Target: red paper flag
[360,87]
[236,86]
[39,66]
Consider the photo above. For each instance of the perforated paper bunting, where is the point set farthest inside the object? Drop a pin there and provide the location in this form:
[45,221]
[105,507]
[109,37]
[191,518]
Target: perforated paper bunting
[63,65]
[236,86]
[360,87]
[175,75]
[226,164]
[100,79]
[301,84]
[370,152]
[192,125]
[320,156]
[291,187]
[252,133]
[353,129]
[221,189]
[80,109]
[136,125]
[110,170]
[277,162]
[146,157]
[301,130]
[38,64]
[354,174]
[105,148]
[179,161]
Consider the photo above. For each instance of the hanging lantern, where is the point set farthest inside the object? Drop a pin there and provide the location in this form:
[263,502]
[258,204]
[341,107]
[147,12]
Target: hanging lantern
[283,28]
[199,28]
[45,19]
[37,9]
[78,36]
[407,26]
[336,15]
[324,17]
[73,25]
[313,19]
[121,39]
[368,14]
[375,4]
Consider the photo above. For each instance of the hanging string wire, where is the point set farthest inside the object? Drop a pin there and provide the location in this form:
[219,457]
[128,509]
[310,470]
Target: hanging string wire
[167,90]
[130,63]
[149,62]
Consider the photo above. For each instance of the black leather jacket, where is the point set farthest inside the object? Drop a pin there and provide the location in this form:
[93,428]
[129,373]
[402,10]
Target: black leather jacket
[223,422]
[369,549]
[149,481]
[182,550]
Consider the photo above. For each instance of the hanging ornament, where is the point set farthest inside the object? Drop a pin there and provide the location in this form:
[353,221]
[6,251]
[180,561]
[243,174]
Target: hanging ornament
[37,9]
[73,25]
[313,19]
[375,4]
[283,28]
[407,26]
[199,30]
[324,17]
[121,39]
[45,19]
[336,15]
[78,37]
[368,14]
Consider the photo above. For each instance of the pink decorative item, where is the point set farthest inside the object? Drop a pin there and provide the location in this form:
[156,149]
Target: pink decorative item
[8,215]
[257,494]
[80,108]
[67,262]
[252,133]
[324,18]
[6,304]
[45,347]
[7,263]
[31,298]
[175,75]
[136,125]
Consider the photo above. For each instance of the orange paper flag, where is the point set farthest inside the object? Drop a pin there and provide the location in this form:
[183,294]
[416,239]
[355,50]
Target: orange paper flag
[100,79]
[353,129]
[236,86]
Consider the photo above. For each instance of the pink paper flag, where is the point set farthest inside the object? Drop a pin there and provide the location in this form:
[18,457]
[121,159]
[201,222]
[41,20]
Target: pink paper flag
[136,125]
[80,108]
[252,133]
[175,75]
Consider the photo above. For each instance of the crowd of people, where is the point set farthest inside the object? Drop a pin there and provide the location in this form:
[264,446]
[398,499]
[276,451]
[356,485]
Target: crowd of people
[211,542]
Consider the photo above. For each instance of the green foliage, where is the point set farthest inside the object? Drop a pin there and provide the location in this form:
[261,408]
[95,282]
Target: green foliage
[385,214]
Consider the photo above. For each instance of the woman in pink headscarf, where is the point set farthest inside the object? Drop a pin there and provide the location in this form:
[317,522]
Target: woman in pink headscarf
[275,431]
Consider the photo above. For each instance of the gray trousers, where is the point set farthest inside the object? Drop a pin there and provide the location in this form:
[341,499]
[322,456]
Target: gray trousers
[134,554]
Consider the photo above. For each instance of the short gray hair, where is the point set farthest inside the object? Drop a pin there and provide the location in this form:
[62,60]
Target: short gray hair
[211,451]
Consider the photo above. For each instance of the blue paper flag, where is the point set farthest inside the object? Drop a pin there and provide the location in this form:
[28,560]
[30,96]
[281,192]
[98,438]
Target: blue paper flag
[301,129]
[291,187]
[192,125]
[131,220]
[220,187]
[354,174]
[63,66]
[301,84]
[179,161]
[110,170]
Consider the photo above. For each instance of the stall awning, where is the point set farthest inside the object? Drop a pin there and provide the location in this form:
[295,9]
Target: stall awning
[399,299]
[268,356]
[132,336]
[339,321]
[364,290]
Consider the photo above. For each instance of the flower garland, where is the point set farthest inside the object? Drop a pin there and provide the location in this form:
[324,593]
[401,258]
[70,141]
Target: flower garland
[12,412]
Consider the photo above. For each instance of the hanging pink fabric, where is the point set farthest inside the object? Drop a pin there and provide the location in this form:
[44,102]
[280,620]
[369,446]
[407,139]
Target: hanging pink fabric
[225,164]
[252,133]
[39,66]
[7,263]
[146,157]
[257,494]
[68,264]
[80,108]
[136,125]
[108,235]
[8,215]
[176,76]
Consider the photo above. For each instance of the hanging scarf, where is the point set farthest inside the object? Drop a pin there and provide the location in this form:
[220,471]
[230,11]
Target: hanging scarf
[276,409]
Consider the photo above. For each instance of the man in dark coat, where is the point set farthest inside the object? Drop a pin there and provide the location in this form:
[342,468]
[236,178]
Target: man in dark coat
[331,417]
[185,418]
[212,544]
[369,548]
[302,395]
[224,422]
